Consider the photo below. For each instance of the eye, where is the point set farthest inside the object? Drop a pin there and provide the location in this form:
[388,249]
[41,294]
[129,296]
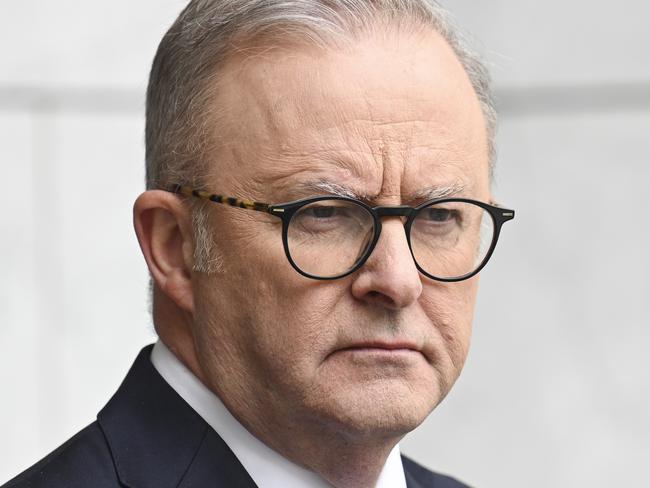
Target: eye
[332,216]
[439,220]
[322,212]
[439,215]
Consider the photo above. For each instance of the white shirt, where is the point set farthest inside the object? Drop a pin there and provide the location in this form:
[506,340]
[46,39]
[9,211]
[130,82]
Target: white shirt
[267,468]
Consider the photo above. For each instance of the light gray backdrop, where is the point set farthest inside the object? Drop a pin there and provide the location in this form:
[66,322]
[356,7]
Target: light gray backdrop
[556,390]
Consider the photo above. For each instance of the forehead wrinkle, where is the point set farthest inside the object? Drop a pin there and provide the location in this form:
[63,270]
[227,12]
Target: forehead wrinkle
[309,181]
[288,161]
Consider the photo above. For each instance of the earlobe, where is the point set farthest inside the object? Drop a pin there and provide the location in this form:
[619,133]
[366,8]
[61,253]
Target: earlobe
[162,224]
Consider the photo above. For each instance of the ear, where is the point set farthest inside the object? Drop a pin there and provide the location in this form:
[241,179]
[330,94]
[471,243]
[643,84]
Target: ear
[163,226]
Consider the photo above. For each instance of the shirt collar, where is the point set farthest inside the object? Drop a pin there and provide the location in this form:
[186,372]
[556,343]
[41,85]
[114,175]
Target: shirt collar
[267,467]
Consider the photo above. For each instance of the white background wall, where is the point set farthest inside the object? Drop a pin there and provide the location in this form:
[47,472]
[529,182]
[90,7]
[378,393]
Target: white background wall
[556,389]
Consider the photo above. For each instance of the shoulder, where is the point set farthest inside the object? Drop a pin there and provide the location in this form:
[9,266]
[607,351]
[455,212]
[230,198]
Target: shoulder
[83,461]
[418,476]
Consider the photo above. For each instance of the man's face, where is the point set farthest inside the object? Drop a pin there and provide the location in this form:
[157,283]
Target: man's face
[372,353]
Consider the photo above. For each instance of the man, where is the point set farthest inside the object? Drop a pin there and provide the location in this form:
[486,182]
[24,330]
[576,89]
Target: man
[300,341]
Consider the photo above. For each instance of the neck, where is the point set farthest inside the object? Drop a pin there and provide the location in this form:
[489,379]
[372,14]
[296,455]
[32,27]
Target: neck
[173,326]
[345,465]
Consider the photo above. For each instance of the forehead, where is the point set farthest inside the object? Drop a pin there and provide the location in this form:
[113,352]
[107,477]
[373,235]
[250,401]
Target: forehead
[385,117]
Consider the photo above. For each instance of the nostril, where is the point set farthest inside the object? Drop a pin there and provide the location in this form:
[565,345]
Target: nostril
[382,299]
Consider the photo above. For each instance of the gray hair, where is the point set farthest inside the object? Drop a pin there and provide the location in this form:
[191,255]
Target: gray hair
[180,110]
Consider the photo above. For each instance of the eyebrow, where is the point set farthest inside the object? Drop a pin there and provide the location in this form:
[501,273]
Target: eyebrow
[436,192]
[328,187]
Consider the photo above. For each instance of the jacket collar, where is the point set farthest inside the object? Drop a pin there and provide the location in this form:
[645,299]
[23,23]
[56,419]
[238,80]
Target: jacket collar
[158,441]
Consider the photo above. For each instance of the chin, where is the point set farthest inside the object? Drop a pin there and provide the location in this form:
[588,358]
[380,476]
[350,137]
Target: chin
[383,408]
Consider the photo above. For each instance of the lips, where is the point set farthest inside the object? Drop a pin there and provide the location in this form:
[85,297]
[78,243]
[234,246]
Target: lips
[387,346]
[391,350]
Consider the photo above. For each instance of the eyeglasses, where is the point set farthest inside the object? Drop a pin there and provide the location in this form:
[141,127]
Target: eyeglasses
[329,237]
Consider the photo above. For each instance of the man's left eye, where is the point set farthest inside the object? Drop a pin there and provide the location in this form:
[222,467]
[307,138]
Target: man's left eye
[439,215]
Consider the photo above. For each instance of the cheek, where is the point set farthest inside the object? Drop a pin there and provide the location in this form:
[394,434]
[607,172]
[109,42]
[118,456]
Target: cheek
[295,321]
[269,316]
[451,307]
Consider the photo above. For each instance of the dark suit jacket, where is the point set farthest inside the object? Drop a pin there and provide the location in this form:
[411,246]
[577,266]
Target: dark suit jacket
[148,437]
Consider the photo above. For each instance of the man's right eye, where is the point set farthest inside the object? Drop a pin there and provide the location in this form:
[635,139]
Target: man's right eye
[321,212]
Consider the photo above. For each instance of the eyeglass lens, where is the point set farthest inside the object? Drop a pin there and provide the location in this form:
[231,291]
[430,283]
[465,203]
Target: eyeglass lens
[451,239]
[327,238]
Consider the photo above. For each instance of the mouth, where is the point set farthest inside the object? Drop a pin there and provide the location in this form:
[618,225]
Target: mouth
[385,346]
[377,350]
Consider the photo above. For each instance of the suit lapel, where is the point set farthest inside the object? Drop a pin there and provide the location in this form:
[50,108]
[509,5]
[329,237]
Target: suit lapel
[158,441]
[216,466]
[411,482]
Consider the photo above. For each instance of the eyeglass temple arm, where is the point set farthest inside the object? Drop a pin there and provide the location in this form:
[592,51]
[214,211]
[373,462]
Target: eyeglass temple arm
[233,202]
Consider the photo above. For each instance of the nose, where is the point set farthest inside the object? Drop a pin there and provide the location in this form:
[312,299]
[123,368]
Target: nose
[389,277]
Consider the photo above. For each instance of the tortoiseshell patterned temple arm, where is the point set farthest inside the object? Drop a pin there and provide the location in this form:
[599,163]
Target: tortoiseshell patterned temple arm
[234,202]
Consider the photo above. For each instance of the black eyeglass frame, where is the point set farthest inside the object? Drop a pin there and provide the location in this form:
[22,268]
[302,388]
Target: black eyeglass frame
[286,211]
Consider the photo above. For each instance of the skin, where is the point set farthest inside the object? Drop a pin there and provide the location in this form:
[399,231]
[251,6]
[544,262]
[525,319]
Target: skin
[330,374]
